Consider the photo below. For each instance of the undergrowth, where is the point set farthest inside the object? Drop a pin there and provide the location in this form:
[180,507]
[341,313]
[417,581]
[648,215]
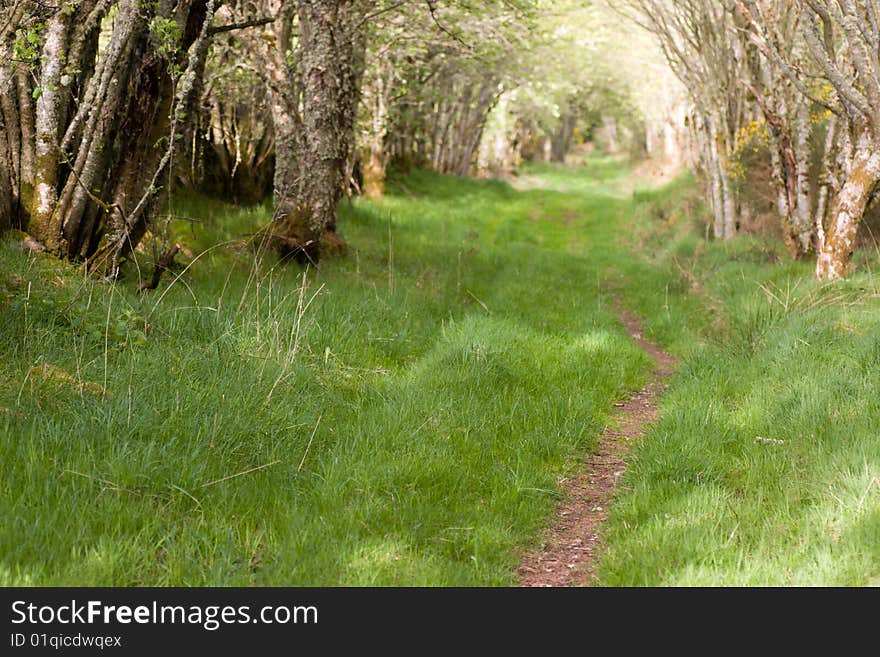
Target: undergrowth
[765,466]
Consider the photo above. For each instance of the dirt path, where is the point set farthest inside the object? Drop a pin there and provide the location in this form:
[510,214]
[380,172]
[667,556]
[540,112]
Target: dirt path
[571,546]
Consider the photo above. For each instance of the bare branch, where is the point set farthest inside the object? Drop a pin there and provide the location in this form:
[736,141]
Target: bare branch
[257,22]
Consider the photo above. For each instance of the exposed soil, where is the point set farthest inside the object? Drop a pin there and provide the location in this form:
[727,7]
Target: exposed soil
[571,547]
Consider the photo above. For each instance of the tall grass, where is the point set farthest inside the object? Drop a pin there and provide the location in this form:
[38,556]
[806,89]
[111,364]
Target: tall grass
[403,414]
[399,416]
[765,466]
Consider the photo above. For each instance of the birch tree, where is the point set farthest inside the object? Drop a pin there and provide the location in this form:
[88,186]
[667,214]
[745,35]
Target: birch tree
[706,52]
[843,38]
[840,41]
[801,199]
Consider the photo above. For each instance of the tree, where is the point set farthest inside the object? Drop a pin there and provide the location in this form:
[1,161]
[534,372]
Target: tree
[828,52]
[846,51]
[230,152]
[94,95]
[311,58]
[788,118]
[706,51]
[625,99]
[442,71]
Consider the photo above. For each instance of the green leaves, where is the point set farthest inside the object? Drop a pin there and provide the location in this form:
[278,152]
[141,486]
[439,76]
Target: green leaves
[166,33]
[26,46]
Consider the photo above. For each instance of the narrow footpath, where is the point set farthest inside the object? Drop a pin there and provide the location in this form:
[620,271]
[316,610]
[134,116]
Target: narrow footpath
[571,548]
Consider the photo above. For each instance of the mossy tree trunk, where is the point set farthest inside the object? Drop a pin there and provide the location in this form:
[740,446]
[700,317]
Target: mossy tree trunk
[8,166]
[313,83]
[87,154]
[332,48]
[42,224]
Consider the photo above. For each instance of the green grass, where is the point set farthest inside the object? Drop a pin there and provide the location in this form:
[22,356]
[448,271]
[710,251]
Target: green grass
[765,466]
[401,416]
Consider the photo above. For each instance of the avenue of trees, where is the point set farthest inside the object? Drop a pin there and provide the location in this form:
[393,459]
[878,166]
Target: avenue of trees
[105,105]
[801,75]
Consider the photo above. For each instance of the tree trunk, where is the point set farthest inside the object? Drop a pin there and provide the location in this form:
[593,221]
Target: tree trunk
[331,53]
[714,166]
[724,146]
[778,173]
[561,139]
[373,166]
[8,186]
[94,127]
[7,201]
[87,171]
[829,155]
[611,134]
[790,160]
[862,179]
[44,224]
[26,129]
[730,213]
[287,168]
[486,100]
[803,216]
[373,157]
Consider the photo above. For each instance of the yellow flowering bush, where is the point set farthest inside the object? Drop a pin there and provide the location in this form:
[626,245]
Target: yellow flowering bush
[751,140]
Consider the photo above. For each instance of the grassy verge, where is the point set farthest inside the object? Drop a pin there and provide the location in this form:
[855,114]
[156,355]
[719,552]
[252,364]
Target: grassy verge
[399,417]
[765,468]
[402,415]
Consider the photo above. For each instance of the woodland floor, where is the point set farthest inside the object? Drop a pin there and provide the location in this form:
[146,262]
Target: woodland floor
[446,399]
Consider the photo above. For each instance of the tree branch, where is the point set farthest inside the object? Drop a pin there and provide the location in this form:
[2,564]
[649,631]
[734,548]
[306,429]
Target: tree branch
[256,22]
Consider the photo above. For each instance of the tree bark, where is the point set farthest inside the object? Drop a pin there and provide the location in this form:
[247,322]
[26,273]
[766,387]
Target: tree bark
[373,156]
[44,225]
[829,155]
[7,201]
[863,177]
[611,134]
[331,53]
[8,152]
[91,133]
[730,213]
[803,216]
[85,172]
[373,167]
[26,129]
[714,166]
[287,168]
